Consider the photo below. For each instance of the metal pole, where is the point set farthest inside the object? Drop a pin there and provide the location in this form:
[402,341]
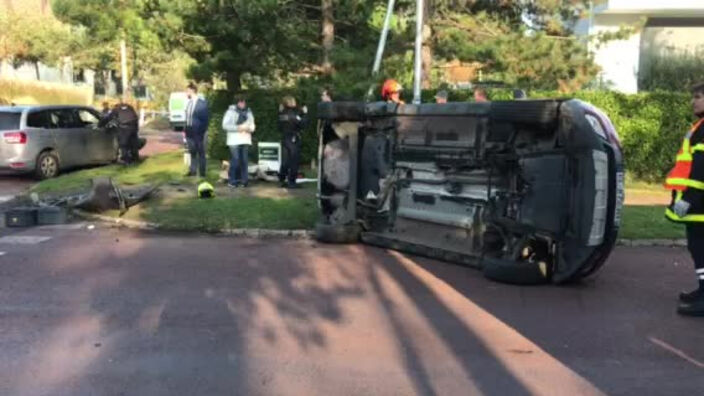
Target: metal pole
[382,39]
[418,69]
[382,44]
[123,67]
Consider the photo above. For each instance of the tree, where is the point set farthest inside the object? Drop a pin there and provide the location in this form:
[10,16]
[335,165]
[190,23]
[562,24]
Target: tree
[32,38]
[240,39]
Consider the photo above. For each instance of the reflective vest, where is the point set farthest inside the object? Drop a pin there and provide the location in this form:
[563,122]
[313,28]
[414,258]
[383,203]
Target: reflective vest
[678,179]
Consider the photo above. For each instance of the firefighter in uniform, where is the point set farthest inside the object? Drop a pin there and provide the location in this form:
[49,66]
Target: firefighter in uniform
[686,181]
[391,91]
[292,122]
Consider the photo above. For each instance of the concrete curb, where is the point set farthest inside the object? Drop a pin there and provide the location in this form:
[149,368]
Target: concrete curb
[309,234]
[240,232]
[652,242]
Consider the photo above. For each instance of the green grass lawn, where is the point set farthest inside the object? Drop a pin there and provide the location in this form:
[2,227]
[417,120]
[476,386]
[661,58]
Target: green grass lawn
[160,168]
[648,222]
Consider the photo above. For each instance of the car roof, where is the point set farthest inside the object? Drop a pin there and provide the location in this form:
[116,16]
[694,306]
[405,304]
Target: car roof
[20,109]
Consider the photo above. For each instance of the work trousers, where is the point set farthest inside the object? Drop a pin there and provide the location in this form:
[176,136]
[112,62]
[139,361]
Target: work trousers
[695,245]
[291,157]
[196,147]
[127,141]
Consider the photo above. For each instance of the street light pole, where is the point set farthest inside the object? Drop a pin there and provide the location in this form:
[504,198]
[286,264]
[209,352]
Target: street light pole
[123,68]
[418,66]
[382,44]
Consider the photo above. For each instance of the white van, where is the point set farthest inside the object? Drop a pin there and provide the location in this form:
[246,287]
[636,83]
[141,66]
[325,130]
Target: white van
[177,110]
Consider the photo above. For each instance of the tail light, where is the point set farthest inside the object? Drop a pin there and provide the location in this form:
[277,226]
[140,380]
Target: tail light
[15,137]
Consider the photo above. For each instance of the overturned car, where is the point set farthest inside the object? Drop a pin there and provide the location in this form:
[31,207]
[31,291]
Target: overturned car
[528,191]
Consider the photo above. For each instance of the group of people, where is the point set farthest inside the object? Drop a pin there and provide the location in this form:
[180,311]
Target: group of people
[239,125]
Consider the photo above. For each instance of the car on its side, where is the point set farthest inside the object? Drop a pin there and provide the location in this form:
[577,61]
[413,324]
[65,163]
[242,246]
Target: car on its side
[529,191]
[46,140]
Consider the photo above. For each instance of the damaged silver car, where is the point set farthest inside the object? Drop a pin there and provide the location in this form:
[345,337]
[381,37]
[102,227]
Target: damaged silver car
[529,191]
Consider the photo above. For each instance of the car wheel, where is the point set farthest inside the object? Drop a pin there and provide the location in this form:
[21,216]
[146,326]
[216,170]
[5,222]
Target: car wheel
[333,233]
[47,165]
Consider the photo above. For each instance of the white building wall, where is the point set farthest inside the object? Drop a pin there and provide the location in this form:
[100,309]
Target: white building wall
[619,59]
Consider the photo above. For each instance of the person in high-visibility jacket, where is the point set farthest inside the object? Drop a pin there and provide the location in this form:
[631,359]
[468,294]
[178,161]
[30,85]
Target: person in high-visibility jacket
[686,181]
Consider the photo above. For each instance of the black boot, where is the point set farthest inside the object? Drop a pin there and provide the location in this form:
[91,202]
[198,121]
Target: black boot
[692,308]
[691,296]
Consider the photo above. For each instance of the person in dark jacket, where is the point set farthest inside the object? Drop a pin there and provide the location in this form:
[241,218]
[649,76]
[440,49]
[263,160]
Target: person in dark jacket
[686,180]
[123,118]
[196,128]
[292,121]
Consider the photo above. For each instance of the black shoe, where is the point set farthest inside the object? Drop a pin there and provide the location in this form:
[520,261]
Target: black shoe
[283,184]
[693,308]
[245,185]
[691,296]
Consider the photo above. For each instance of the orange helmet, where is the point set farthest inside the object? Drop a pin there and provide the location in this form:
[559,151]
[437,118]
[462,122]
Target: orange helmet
[390,86]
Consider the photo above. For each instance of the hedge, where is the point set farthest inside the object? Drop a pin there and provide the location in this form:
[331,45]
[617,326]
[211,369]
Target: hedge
[651,125]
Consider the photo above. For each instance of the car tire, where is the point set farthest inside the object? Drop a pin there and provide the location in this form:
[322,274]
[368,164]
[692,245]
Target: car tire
[330,233]
[47,165]
[513,272]
[542,113]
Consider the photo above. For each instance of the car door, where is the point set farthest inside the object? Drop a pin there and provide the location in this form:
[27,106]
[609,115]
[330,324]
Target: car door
[70,137]
[100,143]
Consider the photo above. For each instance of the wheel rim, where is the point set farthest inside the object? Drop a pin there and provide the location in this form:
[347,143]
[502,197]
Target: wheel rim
[48,166]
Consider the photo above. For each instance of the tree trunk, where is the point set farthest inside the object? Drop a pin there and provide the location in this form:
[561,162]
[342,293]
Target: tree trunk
[233,81]
[427,50]
[328,34]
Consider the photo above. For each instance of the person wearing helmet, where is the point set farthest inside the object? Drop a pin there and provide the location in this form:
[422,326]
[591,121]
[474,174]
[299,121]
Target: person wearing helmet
[391,91]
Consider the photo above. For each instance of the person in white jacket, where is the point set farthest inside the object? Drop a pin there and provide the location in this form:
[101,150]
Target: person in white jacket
[239,125]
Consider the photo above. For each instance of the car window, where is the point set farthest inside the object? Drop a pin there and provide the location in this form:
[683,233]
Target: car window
[38,119]
[87,118]
[9,121]
[598,128]
[63,119]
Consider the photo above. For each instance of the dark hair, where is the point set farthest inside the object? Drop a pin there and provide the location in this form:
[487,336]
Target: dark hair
[698,88]
[326,89]
[240,98]
[193,86]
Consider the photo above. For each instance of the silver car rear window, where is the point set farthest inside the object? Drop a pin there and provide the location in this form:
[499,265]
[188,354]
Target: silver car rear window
[9,121]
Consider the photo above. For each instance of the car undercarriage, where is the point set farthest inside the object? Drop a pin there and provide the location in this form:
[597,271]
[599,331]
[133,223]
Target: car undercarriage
[528,191]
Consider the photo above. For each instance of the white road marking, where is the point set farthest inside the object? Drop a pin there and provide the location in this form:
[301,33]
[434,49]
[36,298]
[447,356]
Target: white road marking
[2,253]
[676,352]
[5,198]
[23,240]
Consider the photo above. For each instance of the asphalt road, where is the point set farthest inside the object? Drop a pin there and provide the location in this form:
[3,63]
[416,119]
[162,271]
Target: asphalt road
[108,312]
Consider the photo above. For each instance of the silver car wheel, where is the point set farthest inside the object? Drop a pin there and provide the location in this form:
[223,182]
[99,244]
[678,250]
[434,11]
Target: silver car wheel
[48,166]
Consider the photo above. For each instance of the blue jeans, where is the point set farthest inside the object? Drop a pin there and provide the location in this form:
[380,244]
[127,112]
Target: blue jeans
[238,164]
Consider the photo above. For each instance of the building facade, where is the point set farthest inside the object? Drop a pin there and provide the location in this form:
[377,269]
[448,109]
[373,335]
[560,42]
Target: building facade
[673,25]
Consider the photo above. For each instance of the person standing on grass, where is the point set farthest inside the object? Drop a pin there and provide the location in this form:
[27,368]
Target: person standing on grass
[480,95]
[196,128]
[292,122]
[125,120]
[686,181]
[239,125]
[441,97]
